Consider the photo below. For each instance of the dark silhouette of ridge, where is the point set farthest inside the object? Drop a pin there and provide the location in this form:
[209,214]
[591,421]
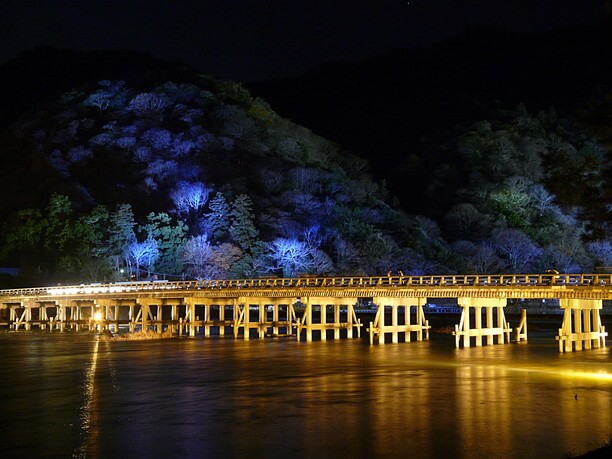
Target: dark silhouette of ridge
[44,73]
[404,102]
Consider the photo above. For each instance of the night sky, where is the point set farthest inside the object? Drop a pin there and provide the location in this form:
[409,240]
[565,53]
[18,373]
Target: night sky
[249,40]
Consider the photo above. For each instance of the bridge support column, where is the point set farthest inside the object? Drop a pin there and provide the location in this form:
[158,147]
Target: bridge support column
[340,306]
[501,329]
[323,321]
[60,317]
[222,319]
[275,319]
[379,328]
[306,321]
[242,319]
[22,315]
[43,317]
[206,319]
[246,316]
[261,319]
[144,317]
[237,316]
[190,317]
[586,331]
[109,318]
[521,330]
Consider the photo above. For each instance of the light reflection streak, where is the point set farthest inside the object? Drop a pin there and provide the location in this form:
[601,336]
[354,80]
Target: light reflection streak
[484,407]
[600,375]
[88,411]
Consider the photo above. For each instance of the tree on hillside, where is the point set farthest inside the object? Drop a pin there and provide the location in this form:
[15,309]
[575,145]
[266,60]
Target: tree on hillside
[121,235]
[122,224]
[567,253]
[289,256]
[517,248]
[196,253]
[58,223]
[170,238]
[217,222]
[112,94]
[189,199]
[146,103]
[207,261]
[141,255]
[603,253]
[242,228]
[221,260]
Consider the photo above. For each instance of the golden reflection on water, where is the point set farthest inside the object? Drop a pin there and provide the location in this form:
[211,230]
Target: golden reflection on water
[350,400]
[492,403]
[88,415]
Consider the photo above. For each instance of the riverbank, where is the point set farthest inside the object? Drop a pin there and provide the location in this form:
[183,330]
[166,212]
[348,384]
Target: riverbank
[604,452]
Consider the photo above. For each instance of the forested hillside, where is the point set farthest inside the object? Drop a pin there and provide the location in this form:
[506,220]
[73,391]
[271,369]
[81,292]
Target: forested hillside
[198,178]
[195,180]
[408,106]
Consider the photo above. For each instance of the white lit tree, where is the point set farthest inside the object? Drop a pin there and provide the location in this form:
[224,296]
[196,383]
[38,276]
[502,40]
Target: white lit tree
[190,198]
[517,247]
[141,254]
[196,255]
[289,255]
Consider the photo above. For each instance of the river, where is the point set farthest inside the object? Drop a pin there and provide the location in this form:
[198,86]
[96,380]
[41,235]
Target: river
[80,395]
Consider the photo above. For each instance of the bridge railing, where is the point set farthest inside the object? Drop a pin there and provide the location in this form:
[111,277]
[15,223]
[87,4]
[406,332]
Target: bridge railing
[477,280]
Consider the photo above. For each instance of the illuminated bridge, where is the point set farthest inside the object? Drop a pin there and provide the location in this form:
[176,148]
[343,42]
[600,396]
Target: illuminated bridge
[323,306]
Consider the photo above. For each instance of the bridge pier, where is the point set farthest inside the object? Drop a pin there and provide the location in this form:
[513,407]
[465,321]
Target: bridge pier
[586,331]
[339,308]
[272,315]
[521,330]
[401,321]
[190,316]
[60,317]
[144,315]
[496,325]
[22,315]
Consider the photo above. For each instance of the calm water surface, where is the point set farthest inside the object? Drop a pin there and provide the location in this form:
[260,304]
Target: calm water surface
[76,395]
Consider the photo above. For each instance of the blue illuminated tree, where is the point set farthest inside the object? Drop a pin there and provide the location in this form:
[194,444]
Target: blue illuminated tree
[292,257]
[517,248]
[141,255]
[189,199]
[146,103]
[602,250]
[289,256]
[112,94]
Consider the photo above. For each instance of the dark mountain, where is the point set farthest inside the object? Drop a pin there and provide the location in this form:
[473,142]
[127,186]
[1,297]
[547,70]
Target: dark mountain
[106,154]
[192,171]
[43,74]
[403,105]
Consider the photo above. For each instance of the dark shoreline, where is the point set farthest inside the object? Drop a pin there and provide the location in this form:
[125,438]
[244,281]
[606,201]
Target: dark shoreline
[599,453]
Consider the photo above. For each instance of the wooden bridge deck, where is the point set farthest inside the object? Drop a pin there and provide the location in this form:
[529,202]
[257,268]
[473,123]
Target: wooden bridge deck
[560,286]
[268,306]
